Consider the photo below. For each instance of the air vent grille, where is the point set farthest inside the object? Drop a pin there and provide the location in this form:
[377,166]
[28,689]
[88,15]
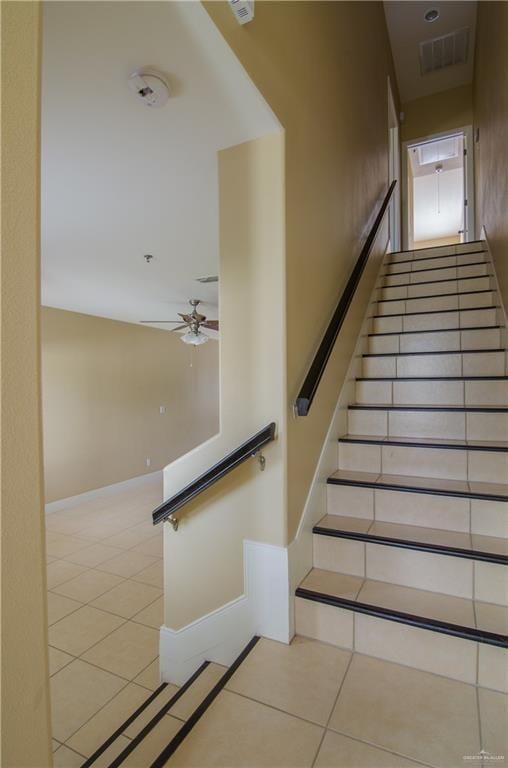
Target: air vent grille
[444,51]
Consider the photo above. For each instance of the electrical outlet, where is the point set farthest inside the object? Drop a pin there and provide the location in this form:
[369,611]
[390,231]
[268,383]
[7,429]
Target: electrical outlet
[162,409]
[148,461]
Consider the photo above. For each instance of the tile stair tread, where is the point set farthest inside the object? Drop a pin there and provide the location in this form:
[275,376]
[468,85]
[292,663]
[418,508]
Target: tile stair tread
[434,311]
[467,542]
[435,352]
[432,378]
[496,491]
[439,330]
[436,256]
[428,442]
[438,269]
[436,296]
[457,611]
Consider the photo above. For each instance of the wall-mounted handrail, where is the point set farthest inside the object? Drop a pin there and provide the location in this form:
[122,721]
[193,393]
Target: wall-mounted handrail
[318,365]
[250,448]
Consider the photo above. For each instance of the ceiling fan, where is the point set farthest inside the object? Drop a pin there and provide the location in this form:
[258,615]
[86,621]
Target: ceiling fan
[193,322]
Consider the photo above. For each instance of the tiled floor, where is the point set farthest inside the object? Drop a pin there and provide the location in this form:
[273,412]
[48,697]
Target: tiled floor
[310,704]
[105,610]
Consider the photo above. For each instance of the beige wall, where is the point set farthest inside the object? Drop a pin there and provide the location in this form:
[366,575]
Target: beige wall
[247,503]
[323,69]
[491,118]
[103,382]
[440,112]
[24,679]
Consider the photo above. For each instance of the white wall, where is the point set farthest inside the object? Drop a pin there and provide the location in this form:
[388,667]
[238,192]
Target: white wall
[438,201]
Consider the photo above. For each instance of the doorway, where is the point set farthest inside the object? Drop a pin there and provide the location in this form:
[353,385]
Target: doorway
[438,190]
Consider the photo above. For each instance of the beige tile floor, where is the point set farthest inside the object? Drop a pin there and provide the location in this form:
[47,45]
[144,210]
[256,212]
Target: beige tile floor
[308,704]
[104,613]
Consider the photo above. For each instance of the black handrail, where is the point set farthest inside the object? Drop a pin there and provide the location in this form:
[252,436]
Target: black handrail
[317,368]
[204,481]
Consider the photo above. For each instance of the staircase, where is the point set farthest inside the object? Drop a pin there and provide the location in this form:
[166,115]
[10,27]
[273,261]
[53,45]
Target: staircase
[409,559]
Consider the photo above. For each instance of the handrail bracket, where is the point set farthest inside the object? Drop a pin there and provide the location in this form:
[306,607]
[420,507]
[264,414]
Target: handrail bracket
[173,521]
[261,460]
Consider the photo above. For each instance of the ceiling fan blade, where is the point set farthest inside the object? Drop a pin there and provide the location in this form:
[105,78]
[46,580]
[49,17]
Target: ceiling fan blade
[212,324]
[185,318]
[180,327]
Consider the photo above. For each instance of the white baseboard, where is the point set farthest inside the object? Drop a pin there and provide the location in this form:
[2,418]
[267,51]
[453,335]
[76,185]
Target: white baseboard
[220,635]
[107,490]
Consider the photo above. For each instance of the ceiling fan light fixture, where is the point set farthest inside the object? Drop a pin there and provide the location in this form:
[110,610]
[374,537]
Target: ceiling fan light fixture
[196,339]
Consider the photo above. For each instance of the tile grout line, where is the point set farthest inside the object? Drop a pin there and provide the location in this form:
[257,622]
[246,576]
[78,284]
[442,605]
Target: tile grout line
[325,728]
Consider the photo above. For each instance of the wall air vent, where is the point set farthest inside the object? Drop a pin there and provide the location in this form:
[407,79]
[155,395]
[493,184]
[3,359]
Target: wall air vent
[444,51]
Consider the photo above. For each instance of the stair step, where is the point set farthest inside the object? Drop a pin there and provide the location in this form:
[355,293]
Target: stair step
[416,267]
[408,263]
[418,458]
[436,303]
[438,541]
[483,517]
[436,330]
[426,342]
[435,275]
[436,252]
[432,352]
[433,390]
[484,408]
[421,442]
[460,617]
[435,321]
[487,362]
[433,288]
[468,489]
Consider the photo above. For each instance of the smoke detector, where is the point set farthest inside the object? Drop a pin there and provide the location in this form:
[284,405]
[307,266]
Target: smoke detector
[150,86]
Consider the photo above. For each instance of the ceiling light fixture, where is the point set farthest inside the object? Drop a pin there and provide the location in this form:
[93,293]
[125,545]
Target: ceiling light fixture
[431,15]
[196,338]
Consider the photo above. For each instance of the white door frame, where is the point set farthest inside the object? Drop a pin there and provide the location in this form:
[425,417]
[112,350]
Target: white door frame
[467,132]
[394,170]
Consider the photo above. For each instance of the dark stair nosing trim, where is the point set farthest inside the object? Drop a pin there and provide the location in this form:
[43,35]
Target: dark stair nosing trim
[177,739]
[415,443]
[437,269]
[131,746]
[440,330]
[417,407]
[418,489]
[419,546]
[432,378]
[421,622]
[437,295]
[435,311]
[434,352]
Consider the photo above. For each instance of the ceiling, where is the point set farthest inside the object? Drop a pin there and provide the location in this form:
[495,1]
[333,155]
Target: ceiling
[120,180]
[407,28]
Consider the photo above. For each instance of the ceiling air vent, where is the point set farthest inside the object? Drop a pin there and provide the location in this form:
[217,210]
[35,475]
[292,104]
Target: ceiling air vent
[444,51]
